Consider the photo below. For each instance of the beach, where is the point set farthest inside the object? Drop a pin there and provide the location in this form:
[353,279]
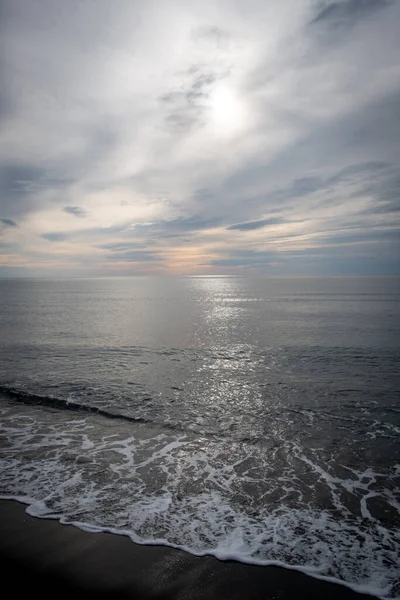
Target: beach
[43,557]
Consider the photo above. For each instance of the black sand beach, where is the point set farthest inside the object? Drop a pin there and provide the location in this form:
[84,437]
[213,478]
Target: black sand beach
[52,560]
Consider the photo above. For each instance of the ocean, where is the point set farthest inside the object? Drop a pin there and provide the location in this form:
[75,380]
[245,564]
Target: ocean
[254,419]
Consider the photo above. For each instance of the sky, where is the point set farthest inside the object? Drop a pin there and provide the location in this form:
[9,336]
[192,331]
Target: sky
[199,137]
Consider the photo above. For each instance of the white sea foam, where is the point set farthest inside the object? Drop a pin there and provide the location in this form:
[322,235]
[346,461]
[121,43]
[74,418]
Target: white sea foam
[238,501]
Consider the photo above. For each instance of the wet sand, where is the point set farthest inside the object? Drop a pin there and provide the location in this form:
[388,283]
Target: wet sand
[49,560]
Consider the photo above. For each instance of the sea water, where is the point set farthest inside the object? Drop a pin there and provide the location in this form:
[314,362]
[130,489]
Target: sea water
[252,419]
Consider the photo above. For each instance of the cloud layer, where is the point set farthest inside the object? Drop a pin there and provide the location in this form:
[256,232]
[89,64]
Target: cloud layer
[187,138]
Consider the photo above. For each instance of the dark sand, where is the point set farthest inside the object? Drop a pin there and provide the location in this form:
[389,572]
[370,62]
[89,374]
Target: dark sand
[48,560]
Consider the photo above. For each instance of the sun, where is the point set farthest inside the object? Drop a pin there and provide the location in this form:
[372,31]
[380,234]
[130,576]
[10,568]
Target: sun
[226,110]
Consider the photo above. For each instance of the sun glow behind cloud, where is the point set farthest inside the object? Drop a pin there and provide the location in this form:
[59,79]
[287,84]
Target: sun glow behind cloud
[228,115]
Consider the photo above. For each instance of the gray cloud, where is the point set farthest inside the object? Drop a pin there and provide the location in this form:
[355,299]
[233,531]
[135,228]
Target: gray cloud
[22,187]
[345,13]
[89,234]
[55,237]
[278,199]
[6,106]
[389,196]
[385,191]
[121,246]
[75,210]
[251,225]
[185,107]
[17,181]
[177,227]
[194,223]
[216,36]
[8,222]
[357,171]
[357,236]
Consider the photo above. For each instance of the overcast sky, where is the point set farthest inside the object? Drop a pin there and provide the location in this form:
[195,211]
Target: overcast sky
[199,137]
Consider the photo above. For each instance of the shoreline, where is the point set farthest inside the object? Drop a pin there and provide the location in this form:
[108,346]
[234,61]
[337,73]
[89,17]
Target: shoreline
[46,557]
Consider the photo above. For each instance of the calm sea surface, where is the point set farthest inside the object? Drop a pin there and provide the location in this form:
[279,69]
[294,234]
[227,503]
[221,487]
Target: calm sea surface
[255,419]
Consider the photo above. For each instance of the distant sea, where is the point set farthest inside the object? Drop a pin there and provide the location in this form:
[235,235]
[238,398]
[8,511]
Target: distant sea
[251,419]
